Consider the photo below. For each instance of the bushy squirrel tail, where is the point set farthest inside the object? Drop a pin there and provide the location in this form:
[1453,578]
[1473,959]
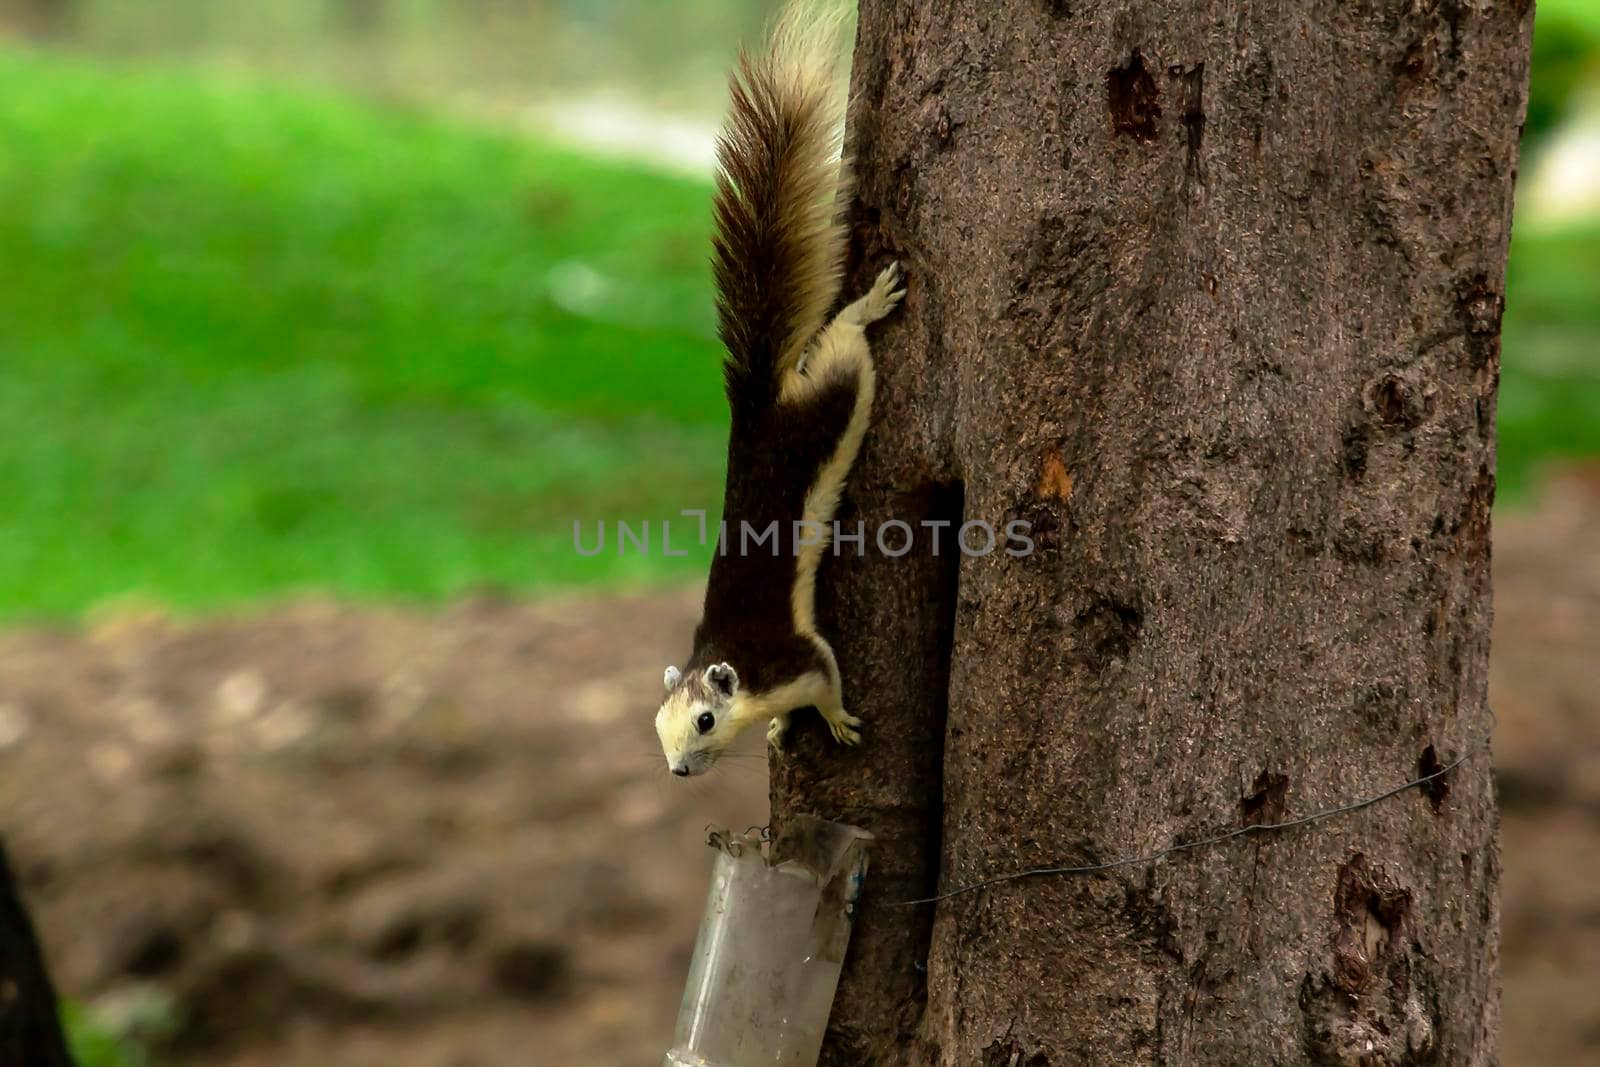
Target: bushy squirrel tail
[780,237]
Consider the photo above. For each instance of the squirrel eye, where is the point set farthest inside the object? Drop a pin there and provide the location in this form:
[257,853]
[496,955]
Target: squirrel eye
[705,722]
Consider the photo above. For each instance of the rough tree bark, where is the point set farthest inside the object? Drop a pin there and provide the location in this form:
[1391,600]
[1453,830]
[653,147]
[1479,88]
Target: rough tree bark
[30,1032]
[1210,294]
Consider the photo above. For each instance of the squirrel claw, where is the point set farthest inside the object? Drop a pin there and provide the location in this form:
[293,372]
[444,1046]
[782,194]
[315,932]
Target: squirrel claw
[843,727]
[775,731]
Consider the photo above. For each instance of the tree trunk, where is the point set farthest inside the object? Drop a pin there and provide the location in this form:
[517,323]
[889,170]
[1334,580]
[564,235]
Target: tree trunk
[30,1033]
[1209,294]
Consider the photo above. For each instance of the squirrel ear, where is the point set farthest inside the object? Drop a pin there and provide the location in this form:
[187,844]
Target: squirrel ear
[723,678]
[670,678]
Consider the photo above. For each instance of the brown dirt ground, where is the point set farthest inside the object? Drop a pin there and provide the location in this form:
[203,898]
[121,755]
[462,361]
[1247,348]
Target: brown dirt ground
[333,835]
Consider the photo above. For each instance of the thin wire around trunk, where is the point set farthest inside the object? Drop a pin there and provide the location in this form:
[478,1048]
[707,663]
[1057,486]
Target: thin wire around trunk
[1215,839]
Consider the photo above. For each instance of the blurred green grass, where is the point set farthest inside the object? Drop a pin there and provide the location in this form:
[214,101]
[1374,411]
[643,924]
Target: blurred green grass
[1550,376]
[118,1034]
[255,339]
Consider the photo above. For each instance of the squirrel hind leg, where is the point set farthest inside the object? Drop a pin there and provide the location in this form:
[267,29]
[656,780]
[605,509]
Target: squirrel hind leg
[843,344]
[830,703]
[881,300]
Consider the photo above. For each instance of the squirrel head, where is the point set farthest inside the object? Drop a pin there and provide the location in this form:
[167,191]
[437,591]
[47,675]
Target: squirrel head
[697,721]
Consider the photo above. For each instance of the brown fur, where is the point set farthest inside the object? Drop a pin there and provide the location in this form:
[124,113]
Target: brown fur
[779,247]
[800,393]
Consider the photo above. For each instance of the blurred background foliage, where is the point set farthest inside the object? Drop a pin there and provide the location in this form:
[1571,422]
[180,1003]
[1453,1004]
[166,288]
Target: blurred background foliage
[360,294]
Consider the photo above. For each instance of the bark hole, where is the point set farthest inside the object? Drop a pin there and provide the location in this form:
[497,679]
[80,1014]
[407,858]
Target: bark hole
[1107,630]
[1265,804]
[1371,910]
[1399,403]
[1415,65]
[1439,788]
[1133,99]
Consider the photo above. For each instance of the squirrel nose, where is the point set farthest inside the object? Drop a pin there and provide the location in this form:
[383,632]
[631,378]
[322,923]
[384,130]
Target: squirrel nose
[681,771]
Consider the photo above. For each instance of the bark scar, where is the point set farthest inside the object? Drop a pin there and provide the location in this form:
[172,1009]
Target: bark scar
[1055,481]
[1192,84]
[1134,100]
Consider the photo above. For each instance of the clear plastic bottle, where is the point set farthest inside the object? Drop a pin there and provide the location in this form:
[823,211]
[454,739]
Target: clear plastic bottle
[771,945]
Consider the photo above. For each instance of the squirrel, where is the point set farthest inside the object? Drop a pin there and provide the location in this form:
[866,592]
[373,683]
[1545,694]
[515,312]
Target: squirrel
[800,390]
